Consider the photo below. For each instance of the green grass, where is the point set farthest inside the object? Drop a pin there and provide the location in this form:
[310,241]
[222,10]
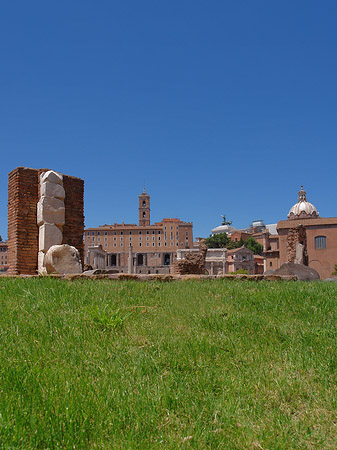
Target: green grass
[180,365]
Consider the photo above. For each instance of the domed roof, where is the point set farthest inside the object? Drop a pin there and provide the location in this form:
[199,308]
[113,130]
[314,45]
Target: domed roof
[303,209]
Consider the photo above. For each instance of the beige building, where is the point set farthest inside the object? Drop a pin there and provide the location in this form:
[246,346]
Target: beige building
[3,257]
[142,248]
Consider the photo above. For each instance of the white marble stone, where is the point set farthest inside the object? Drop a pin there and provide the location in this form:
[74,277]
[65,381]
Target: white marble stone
[63,259]
[41,267]
[50,210]
[49,235]
[48,189]
[52,177]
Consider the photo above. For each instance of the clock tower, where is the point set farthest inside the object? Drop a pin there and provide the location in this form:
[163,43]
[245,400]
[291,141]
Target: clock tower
[144,209]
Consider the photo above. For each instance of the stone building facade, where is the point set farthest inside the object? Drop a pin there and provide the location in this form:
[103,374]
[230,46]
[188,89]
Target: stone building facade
[3,257]
[307,238]
[149,248]
[220,261]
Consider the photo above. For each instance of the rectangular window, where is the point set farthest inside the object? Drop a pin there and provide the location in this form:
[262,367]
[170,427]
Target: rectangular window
[320,242]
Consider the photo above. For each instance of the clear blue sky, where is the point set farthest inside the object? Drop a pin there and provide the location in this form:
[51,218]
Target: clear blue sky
[219,107]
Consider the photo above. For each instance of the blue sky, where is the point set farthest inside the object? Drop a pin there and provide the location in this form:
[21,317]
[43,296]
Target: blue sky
[218,107]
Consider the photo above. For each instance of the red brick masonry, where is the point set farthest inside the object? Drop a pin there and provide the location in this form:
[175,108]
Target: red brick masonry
[23,232]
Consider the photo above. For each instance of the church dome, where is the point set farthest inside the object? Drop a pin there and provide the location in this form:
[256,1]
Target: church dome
[303,209]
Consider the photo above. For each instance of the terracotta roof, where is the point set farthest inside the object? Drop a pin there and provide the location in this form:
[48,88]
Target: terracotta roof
[284,224]
[233,250]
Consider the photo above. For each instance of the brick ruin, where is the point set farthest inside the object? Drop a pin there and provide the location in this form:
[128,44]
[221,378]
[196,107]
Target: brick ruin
[297,245]
[193,263]
[23,231]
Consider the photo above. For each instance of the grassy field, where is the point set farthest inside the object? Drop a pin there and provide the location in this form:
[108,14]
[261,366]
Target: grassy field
[180,365]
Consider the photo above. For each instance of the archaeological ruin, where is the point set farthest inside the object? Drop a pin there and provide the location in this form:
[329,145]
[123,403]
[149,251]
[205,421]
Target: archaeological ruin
[45,209]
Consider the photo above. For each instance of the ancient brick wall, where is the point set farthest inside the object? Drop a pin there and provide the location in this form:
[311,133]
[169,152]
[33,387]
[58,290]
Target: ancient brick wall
[73,229]
[23,232]
[296,235]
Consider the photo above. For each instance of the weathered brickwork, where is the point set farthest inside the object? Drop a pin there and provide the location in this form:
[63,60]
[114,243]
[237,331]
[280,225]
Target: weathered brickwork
[22,227]
[73,229]
[23,232]
[193,263]
[296,236]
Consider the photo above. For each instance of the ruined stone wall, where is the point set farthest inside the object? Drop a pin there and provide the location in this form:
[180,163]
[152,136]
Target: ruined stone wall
[193,263]
[23,231]
[295,237]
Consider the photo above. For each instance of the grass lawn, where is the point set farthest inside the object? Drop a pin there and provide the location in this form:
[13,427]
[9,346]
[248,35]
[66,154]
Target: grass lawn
[210,364]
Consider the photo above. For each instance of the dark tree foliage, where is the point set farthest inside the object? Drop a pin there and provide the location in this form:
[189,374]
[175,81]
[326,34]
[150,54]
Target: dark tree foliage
[253,245]
[221,240]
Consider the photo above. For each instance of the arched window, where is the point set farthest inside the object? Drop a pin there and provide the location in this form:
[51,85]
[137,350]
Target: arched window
[320,242]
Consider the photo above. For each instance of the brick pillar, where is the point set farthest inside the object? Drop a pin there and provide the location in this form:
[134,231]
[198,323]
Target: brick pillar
[73,229]
[23,231]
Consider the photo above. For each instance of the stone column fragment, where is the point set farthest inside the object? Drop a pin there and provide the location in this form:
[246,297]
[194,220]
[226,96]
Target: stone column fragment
[50,214]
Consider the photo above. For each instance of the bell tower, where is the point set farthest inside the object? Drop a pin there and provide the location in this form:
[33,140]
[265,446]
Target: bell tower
[144,209]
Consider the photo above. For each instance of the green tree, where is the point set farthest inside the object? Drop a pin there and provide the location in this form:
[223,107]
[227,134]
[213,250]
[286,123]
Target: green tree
[253,245]
[220,240]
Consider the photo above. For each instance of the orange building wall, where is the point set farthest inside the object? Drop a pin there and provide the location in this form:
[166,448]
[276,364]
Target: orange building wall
[322,260]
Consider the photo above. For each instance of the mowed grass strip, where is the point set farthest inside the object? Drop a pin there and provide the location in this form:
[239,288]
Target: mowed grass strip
[180,365]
